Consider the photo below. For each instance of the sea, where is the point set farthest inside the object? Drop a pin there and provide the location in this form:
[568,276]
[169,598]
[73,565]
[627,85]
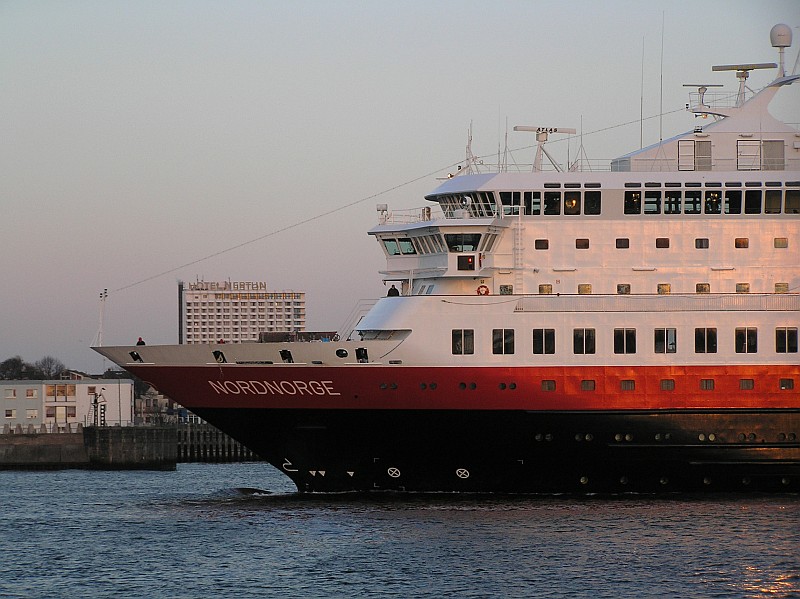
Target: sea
[240,530]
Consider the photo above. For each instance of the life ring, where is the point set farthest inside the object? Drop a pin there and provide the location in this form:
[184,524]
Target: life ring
[483,290]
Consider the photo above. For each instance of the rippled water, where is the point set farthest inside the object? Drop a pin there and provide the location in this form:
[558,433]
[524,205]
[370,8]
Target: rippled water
[199,532]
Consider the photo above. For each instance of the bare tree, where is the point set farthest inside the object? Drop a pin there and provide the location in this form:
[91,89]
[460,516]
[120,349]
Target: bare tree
[50,367]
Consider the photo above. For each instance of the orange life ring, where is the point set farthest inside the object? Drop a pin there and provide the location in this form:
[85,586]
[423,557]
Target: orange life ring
[483,290]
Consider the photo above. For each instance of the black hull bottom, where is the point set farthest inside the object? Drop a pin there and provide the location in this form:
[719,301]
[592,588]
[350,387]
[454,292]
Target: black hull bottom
[524,452]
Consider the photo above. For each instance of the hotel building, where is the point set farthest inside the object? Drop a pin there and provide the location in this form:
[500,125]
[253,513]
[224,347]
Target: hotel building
[236,311]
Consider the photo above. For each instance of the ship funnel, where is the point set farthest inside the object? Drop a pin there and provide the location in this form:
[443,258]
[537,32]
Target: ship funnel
[780,37]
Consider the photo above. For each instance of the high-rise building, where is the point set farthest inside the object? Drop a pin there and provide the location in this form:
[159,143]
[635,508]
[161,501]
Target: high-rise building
[236,311]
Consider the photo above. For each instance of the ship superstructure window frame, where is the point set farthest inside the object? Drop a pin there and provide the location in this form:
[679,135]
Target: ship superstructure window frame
[463,342]
[752,201]
[462,242]
[746,340]
[502,341]
[544,341]
[786,340]
[584,341]
[665,341]
[791,201]
[633,202]
[625,341]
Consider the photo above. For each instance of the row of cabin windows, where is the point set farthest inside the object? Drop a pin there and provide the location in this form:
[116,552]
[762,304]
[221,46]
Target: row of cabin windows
[665,341]
[669,384]
[700,243]
[714,201]
[661,288]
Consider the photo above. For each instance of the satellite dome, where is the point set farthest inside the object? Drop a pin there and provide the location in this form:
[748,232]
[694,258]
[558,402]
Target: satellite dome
[781,36]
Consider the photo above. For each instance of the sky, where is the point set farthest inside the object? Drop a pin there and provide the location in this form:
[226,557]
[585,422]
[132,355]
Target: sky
[147,142]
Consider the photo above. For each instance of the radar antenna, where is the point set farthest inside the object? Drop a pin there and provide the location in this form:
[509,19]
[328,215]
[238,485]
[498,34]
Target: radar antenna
[742,73]
[541,136]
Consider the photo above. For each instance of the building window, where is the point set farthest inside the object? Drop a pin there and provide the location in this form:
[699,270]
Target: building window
[544,341]
[587,385]
[31,413]
[786,340]
[541,244]
[706,384]
[705,341]
[668,384]
[11,413]
[584,288]
[463,341]
[583,341]
[666,341]
[746,384]
[627,385]
[662,242]
[741,242]
[746,340]
[701,243]
[581,244]
[742,287]
[545,289]
[623,243]
[624,341]
[11,393]
[702,288]
[503,341]
[548,385]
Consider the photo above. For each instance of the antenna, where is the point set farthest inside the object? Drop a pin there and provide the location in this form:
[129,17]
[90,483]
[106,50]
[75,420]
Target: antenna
[103,297]
[702,88]
[541,137]
[742,73]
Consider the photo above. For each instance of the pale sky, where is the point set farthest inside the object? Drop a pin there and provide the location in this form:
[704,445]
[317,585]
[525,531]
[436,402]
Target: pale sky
[138,137]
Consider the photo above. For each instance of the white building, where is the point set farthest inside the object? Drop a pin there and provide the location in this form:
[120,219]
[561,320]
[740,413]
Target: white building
[56,403]
[236,311]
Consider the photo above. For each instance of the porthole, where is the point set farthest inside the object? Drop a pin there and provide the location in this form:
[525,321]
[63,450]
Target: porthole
[663,480]
[433,386]
[584,480]
[462,386]
[473,386]
[502,386]
[341,353]
[589,437]
[423,386]
[701,437]
[512,386]
[706,480]
[712,437]
[623,480]
[629,437]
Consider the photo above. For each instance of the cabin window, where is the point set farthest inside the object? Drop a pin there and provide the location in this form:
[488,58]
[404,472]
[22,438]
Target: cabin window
[702,288]
[741,242]
[552,202]
[672,201]
[591,202]
[691,202]
[668,384]
[781,242]
[572,202]
[584,288]
[664,288]
[545,289]
[587,385]
[733,201]
[548,385]
[627,385]
[705,341]
[463,341]
[746,384]
[662,242]
[633,202]
[583,341]
[752,201]
[781,287]
[746,340]
[624,341]
[666,341]
[581,244]
[785,384]
[701,243]
[623,243]
[706,384]
[544,341]
[786,340]
[713,203]
[742,287]
[541,244]
[462,242]
[772,201]
[792,201]
[652,202]
[503,341]
[623,288]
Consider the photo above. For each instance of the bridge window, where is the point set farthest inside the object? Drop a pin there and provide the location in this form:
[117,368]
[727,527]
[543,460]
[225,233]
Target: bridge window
[462,242]
[406,247]
[533,202]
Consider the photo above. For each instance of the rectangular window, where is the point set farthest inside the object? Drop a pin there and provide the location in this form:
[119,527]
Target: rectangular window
[31,393]
[792,201]
[31,413]
[664,288]
[591,202]
[733,201]
[772,201]
[587,385]
[583,341]
[552,202]
[741,242]
[746,384]
[742,287]
[503,341]
[11,393]
[463,341]
[627,385]
[668,384]
[662,242]
[781,242]
[691,202]
[545,289]
[752,201]
[713,204]
[706,384]
[585,288]
[781,287]
[544,341]
[786,384]
[623,243]
[71,411]
[11,413]
[623,288]
[666,341]
[786,340]
[572,202]
[548,385]
[705,341]
[624,341]
[633,202]
[581,244]
[746,340]
[541,244]
[701,243]
[652,202]
[672,202]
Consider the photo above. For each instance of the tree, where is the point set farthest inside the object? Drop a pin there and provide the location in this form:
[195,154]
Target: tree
[13,368]
[50,367]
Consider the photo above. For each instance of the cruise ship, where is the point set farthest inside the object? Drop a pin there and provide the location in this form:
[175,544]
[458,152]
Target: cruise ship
[551,331]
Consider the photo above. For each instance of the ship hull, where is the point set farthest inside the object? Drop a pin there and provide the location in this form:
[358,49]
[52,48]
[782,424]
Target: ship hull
[513,451]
